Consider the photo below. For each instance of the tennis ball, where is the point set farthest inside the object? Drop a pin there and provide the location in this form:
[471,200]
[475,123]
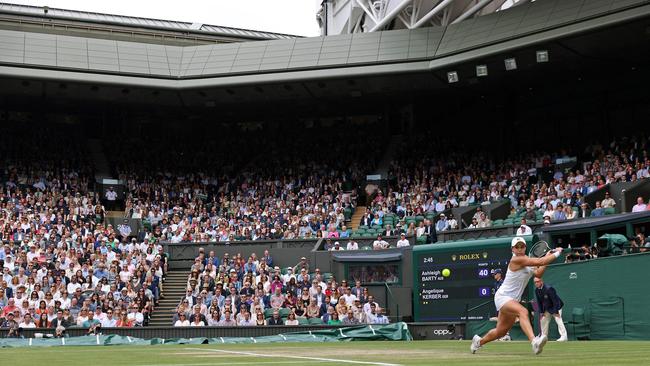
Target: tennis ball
[446,272]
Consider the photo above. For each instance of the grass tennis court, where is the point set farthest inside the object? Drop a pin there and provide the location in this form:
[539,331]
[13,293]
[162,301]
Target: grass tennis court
[344,353]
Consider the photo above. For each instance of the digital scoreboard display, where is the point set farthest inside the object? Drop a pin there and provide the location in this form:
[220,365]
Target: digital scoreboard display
[449,280]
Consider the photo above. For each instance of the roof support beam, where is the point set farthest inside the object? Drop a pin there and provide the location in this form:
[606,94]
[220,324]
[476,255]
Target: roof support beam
[473,10]
[427,17]
[390,16]
[366,10]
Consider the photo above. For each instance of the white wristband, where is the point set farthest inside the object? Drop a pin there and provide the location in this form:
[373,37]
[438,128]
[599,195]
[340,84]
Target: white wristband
[557,254]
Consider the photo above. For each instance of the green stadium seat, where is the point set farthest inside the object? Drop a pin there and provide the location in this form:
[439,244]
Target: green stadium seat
[284,312]
[302,320]
[421,240]
[498,222]
[315,321]
[347,212]
[268,313]
[609,210]
[364,227]
[419,219]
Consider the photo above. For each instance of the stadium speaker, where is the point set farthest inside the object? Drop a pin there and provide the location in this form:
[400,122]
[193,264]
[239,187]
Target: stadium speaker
[452,77]
[481,70]
[541,56]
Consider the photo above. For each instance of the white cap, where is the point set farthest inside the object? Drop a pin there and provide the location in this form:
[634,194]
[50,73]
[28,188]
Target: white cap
[517,239]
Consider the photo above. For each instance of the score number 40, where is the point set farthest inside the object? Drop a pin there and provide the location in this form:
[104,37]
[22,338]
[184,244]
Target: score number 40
[483,273]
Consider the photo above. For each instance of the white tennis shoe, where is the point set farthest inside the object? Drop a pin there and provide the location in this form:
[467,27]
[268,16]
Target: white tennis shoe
[538,344]
[476,343]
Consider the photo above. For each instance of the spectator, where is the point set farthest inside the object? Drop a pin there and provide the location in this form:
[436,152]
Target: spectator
[275,318]
[291,320]
[337,247]
[352,245]
[483,221]
[181,322]
[334,319]
[452,223]
[380,244]
[608,201]
[403,242]
[640,205]
[442,224]
[524,229]
[474,224]
[598,210]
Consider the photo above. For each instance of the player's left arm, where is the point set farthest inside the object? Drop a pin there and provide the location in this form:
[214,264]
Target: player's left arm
[539,271]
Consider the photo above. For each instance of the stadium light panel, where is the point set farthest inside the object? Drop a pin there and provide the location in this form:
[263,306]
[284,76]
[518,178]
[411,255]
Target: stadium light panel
[452,77]
[510,63]
[481,70]
[542,56]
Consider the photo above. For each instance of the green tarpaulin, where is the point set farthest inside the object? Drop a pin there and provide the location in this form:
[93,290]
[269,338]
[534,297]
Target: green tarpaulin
[389,332]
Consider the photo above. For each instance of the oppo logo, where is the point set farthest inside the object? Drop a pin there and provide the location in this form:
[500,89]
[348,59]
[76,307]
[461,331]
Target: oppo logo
[441,332]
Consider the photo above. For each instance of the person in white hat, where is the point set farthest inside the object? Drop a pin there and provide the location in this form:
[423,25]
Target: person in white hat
[520,270]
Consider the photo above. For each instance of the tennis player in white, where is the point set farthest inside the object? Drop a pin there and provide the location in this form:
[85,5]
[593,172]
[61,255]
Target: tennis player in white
[520,270]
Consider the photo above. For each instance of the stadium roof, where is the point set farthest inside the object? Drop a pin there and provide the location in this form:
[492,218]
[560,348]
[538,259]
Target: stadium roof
[130,21]
[580,37]
[365,54]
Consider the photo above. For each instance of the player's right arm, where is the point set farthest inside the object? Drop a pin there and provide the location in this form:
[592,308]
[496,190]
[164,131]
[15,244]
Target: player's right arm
[525,261]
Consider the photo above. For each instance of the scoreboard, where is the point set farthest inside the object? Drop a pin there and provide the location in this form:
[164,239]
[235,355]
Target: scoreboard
[452,277]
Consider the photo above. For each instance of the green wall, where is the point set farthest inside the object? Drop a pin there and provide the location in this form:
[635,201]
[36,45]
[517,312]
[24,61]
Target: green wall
[613,293]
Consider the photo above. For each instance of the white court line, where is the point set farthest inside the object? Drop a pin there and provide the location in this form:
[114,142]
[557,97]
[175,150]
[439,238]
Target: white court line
[233,363]
[296,357]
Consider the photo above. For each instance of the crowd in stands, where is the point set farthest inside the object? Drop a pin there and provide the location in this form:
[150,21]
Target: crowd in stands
[285,190]
[443,177]
[238,291]
[62,265]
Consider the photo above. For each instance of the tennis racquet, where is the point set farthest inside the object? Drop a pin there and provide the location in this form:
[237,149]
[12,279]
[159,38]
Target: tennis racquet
[539,249]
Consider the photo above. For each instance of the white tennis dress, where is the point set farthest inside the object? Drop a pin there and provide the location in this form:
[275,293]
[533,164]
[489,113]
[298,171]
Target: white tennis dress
[513,286]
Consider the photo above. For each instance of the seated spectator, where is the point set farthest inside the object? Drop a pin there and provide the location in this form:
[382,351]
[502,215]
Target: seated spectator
[559,214]
[334,319]
[598,210]
[474,224]
[227,320]
[93,325]
[524,229]
[453,224]
[181,322]
[608,201]
[275,318]
[640,205]
[259,319]
[350,319]
[352,245]
[380,243]
[337,247]
[291,320]
[403,242]
[484,221]
[442,224]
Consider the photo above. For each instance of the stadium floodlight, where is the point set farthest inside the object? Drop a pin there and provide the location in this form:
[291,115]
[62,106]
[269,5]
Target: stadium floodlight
[510,63]
[542,56]
[481,70]
[452,77]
